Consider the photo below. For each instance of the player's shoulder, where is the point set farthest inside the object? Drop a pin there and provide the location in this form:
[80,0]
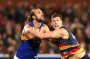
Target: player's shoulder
[44,25]
[63,29]
[45,28]
[27,25]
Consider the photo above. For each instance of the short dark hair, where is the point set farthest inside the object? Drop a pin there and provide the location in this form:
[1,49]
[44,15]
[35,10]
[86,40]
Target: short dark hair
[31,14]
[55,15]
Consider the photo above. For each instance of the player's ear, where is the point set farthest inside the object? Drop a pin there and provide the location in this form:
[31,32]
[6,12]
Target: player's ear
[51,23]
[33,17]
[51,20]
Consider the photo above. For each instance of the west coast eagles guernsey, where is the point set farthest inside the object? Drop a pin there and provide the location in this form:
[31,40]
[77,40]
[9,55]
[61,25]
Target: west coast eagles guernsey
[28,49]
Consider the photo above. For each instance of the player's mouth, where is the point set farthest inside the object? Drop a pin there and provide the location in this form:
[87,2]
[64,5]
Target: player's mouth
[56,26]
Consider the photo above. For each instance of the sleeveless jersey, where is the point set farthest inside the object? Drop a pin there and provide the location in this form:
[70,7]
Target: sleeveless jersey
[68,47]
[28,49]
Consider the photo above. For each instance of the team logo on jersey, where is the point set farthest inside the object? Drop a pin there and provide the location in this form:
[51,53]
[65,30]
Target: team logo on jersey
[65,52]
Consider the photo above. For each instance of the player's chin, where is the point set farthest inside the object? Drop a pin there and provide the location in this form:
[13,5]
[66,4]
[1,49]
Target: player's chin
[56,27]
[40,21]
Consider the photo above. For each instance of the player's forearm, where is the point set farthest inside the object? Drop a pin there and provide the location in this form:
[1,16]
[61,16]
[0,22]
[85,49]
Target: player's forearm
[48,35]
[40,35]
[29,36]
[36,34]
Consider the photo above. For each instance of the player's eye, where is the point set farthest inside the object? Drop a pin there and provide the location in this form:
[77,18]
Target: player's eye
[53,20]
[57,19]
[38,12]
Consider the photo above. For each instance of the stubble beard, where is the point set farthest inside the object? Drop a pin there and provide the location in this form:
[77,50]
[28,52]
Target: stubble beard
[40,20]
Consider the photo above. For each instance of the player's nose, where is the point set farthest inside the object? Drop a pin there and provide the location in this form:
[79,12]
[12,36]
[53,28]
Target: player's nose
[42,15]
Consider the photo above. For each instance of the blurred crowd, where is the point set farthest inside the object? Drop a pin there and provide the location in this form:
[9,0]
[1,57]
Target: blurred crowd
[76,17]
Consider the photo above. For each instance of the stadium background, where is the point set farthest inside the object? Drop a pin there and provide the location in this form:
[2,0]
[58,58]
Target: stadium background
[13,14]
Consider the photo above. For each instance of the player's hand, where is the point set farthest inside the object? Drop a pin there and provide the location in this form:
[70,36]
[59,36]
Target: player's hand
[25,31]
[32,37]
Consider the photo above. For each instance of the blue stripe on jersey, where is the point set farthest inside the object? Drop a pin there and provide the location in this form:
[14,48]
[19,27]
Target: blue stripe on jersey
[31,24]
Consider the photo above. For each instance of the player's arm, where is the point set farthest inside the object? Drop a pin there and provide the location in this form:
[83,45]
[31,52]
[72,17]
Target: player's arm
[56,34]
[44,29]
[51,34]
[26,33]
[47,35]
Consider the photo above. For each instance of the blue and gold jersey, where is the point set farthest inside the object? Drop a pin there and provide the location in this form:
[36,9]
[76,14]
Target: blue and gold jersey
[28,49]
[68,46]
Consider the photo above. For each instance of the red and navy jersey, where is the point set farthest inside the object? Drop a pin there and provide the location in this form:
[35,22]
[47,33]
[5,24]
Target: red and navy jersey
[28,49]
[68,46]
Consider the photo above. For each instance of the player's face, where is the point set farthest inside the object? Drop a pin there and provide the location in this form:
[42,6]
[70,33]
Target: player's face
[56,22]
[39,15]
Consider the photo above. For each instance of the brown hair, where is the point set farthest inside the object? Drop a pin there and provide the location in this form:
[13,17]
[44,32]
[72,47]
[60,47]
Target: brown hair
[55,15]
[31,14]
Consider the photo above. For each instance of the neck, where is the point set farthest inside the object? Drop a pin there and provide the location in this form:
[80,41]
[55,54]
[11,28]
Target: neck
[36,24]
[56,28]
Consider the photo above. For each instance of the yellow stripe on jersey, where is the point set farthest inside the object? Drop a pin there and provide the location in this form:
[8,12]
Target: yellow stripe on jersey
[79,51]
[23,37]
[66,47]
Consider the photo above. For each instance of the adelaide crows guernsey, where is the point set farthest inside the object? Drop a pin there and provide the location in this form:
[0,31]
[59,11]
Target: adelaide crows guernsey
[68,47]
[28,49]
